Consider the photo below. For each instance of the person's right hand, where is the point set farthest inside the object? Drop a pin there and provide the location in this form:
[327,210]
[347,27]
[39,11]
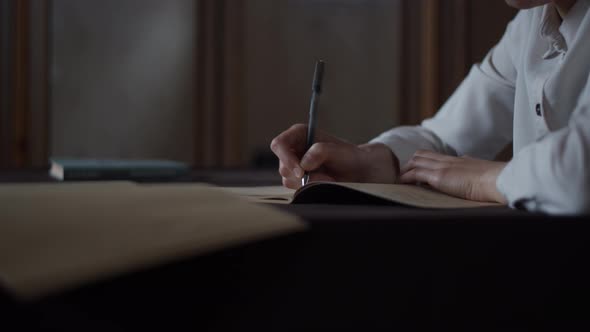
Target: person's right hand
[331,159]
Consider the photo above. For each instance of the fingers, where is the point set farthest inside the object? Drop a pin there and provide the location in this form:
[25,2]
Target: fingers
[433,155]
[463,177]
[288,146]
[285,171]
[408,177]
[428,159]
[426,167]
[294,183]
[425,162]
[290,180]
[422,175]
[321,154]
[312,162]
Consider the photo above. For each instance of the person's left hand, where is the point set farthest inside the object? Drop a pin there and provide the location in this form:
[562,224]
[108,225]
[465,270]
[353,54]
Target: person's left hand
[464,177]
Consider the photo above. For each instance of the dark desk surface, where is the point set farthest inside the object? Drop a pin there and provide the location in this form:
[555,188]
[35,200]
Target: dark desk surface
[358,268]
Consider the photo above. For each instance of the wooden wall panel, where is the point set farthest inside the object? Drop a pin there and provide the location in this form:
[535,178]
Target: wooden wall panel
[21,83]
[411,89]
[209,90]
[453,35]
[23,86]
[220,92]
[233,102]
[455,49]
[430,57]
[5,78]
[39,87]
[15,84]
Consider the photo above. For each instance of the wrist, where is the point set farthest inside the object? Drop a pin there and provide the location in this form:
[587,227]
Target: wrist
[380,164]
[492,177]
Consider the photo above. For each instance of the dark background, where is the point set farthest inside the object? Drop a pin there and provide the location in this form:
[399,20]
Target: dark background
[210,82]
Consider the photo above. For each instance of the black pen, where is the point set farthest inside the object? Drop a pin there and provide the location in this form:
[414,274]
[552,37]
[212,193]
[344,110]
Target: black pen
[316,91]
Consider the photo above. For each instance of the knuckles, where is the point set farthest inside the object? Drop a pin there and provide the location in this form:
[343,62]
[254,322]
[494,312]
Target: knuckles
[289,184]
[437,177]
[284,171]
[279,141]
[318,149]
[315,153]
[298,127]
[276,143]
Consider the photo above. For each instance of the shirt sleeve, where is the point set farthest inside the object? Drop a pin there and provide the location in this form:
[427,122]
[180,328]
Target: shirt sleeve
[551,175]
[406,140]
[477,118]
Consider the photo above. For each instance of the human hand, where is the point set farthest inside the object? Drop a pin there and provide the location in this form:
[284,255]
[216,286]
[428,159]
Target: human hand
[464,177]
[331,159]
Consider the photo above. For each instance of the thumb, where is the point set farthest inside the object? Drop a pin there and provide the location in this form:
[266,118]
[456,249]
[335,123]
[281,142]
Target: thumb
[322,153]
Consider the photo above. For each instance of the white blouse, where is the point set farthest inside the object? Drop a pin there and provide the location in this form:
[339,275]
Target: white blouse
[533,89]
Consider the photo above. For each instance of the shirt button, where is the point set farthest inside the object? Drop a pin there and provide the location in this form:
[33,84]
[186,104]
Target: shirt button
[538,109]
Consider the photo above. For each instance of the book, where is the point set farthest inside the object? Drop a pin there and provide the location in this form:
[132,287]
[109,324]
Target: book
[356,193]
[61,236]
[115,169]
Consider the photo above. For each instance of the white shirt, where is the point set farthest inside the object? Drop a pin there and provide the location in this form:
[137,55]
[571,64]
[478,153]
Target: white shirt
[532,89]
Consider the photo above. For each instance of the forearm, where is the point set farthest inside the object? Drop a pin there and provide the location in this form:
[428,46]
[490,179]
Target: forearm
[406,140]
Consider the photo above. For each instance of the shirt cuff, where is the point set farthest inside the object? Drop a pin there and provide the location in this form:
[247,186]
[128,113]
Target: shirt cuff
[505,183]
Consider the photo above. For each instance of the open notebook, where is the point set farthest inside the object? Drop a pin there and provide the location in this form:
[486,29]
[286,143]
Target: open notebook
[356,193]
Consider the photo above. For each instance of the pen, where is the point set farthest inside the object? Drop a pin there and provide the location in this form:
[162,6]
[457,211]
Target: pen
[316,91]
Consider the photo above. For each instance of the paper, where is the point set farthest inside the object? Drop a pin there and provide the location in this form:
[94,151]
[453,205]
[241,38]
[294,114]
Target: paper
[410,195]
[267,194]
[413,195]
[59,236]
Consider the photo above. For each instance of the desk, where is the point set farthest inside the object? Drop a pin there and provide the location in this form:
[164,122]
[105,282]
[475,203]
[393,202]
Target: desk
[358,268]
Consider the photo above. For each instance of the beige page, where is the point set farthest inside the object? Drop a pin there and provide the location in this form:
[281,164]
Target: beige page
[266,194]
[411,195]
[55,237]
[416,196]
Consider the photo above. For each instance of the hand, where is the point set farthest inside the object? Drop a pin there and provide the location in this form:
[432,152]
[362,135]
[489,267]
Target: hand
[331,159]
[464,177]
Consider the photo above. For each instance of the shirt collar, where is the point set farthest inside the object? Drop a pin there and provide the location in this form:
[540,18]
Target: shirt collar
[550,22]
[561,33]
